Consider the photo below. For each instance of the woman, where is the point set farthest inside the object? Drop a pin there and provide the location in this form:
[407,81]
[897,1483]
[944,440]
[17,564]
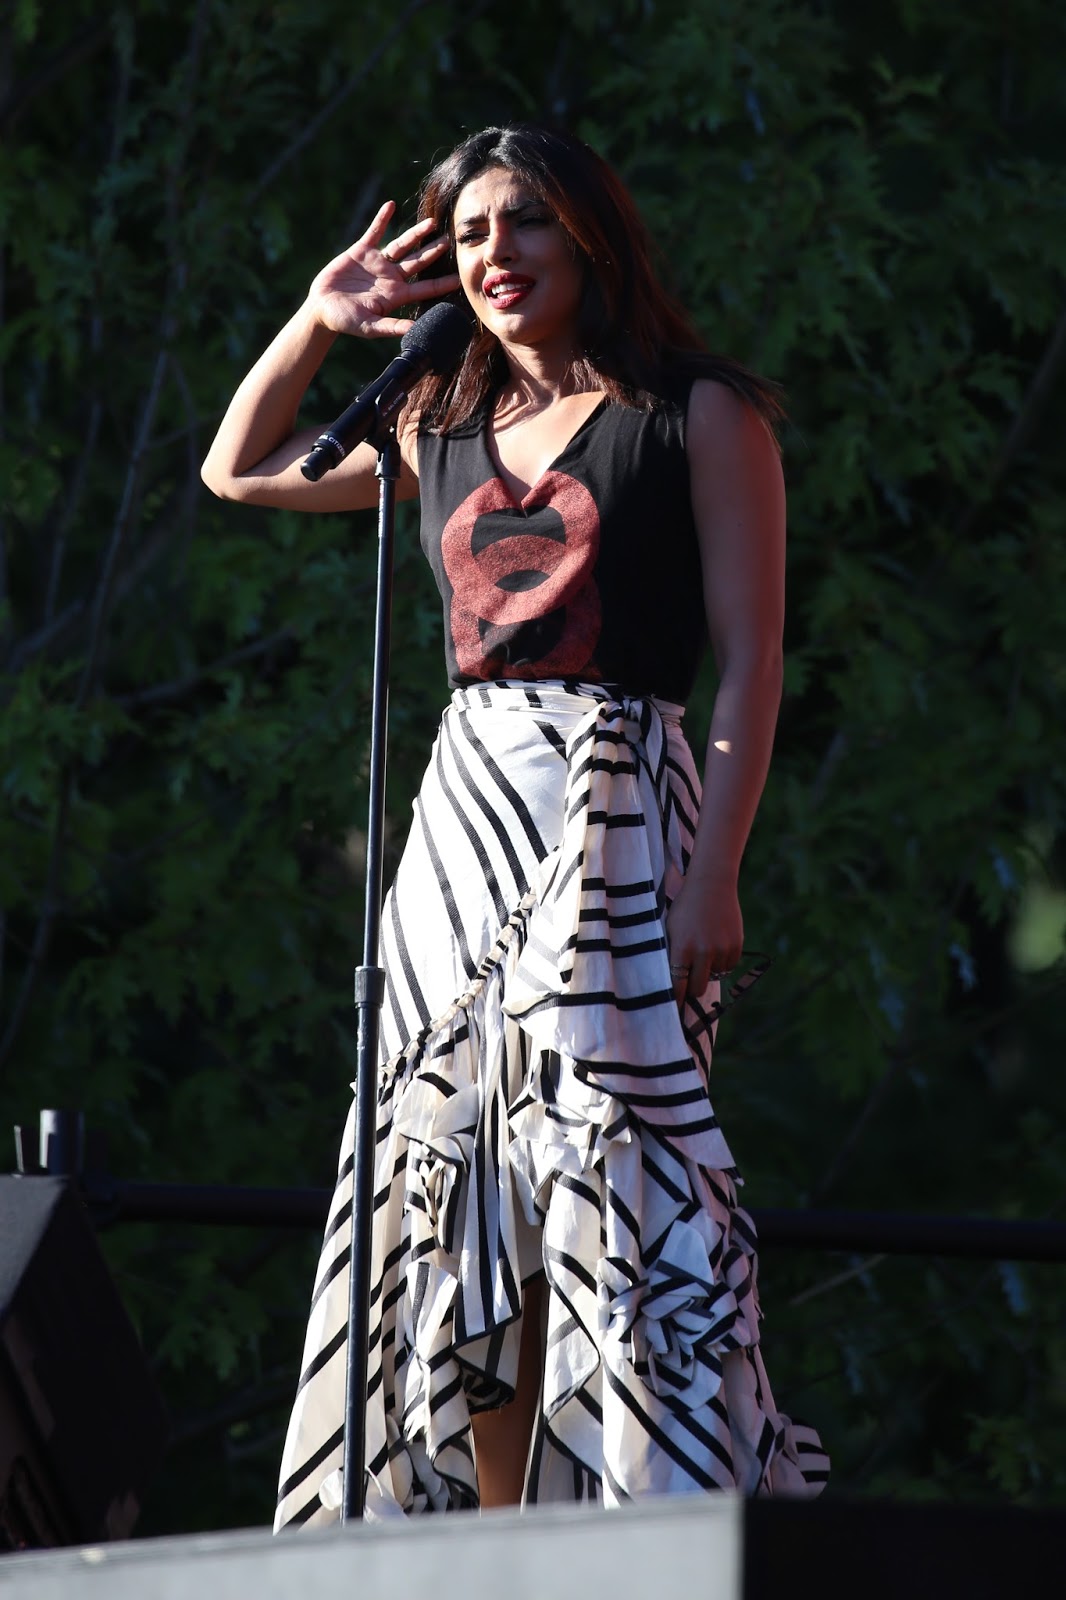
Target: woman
[564,1302]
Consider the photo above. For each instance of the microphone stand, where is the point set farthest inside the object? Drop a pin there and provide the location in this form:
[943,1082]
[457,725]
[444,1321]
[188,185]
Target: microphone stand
[370,982]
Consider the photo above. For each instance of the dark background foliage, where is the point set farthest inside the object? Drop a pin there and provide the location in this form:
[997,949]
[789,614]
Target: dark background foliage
[864,203]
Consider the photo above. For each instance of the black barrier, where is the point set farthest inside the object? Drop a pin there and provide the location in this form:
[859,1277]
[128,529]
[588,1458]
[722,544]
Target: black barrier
[82,1424]
[856,1232]
[64,1150]
[844,1549]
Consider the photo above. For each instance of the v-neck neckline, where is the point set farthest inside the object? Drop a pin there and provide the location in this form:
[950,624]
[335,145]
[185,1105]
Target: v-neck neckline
[522,501]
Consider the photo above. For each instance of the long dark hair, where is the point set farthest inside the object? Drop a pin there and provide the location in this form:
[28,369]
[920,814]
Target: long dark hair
[634,338]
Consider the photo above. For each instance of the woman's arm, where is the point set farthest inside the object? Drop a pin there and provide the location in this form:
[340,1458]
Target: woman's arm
[258,449]
[738,500]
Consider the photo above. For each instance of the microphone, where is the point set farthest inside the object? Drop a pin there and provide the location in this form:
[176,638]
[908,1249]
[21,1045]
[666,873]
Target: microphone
[434,344]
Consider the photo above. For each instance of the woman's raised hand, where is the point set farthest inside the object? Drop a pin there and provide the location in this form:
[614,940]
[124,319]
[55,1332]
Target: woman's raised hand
[361,291]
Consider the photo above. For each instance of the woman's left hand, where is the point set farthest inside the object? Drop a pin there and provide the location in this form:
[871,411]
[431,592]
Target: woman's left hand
[704,933]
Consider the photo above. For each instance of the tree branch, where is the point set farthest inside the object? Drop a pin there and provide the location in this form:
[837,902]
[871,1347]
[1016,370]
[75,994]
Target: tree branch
[96,329]
[837,1280]
[74,497]
[43,637]
[119,532]
[143,558]
[1040,391]
[241,1407]
[70,55]
[333,105]
[46,921]
[193,453]
[157,693]
[836,750]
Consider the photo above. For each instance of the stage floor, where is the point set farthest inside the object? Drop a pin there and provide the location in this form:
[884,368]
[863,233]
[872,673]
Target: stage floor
[700,1547]
[689,1547]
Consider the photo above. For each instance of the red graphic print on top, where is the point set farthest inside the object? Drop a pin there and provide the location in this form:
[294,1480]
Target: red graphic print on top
[522,582]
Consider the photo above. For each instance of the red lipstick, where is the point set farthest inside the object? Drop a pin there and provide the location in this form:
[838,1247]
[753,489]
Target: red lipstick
[506,289]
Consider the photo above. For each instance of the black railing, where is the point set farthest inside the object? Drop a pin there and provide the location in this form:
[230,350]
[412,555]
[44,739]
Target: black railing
[65,1151]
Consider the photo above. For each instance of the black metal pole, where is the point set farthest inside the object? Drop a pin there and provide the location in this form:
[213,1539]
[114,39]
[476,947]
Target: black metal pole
[369,994]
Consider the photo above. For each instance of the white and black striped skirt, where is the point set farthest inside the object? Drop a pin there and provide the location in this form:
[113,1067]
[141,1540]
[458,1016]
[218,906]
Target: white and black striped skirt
[543,1108]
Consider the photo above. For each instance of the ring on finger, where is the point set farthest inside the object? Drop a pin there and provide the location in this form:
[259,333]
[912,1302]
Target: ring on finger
[679,971]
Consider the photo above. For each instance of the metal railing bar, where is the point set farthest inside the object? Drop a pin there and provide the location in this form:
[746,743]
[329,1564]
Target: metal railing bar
[112,1201]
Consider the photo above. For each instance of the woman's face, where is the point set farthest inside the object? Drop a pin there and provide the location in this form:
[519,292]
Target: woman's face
[516,262]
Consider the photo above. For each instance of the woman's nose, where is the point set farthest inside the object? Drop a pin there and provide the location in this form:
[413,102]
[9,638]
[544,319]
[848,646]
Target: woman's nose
[499,242]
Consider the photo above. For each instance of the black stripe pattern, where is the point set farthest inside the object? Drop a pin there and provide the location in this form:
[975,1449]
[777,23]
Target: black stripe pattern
[543,1107]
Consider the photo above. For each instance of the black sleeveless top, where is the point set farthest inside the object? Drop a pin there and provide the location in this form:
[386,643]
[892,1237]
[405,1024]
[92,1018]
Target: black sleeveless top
[595,574]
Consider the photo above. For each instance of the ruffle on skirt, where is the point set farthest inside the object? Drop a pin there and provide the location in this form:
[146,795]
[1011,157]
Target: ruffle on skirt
[543,1106]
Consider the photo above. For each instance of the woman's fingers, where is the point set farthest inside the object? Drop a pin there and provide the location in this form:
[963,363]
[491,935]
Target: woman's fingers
[680,972]
[688,981]
[699,976]
[691,973]
[372,235]
[416,237]
[408,263]
[432,288]
[410,251]
[418,260]
[385,327]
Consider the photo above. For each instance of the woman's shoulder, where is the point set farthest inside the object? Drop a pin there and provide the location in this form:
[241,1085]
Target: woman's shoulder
[727,393]
[680,389]
[717,402]
[717,411]
[731,446]
[680,396]
[426,427]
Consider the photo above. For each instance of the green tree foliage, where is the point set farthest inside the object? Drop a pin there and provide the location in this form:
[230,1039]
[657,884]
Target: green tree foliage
[866,204]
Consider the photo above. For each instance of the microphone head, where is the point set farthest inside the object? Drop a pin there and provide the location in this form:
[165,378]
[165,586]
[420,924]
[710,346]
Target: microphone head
[439,337]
